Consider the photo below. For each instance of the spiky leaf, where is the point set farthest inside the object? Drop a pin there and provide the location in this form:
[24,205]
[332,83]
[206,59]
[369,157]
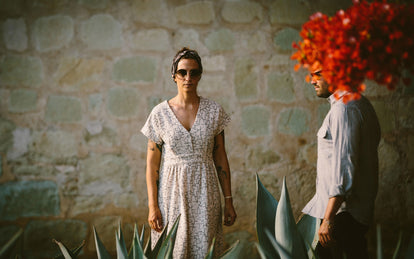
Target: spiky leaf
[74,251]
[210,253]
[286,232]
[101,251]
[10,244]
[168,244]
[152,253]
[265,216]
[308,227]
[120,245]
[67,254]
[397,248]
[232,252]
[136,251]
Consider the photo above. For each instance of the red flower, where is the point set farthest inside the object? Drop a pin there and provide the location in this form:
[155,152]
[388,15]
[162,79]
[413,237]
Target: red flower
[368,40]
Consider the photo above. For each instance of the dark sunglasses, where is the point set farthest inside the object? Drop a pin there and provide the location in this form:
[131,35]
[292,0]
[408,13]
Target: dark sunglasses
[182,73]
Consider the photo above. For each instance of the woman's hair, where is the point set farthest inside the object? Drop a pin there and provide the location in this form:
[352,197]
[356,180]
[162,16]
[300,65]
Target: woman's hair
[185,53]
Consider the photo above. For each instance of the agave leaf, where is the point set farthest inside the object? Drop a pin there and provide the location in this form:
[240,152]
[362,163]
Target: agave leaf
[308,227]
[9,245]
[265,218]
[281,251]
[210,253]
[168,244]
[286,232]
[261,251]
[120,246]
[136,251]
[74,251]
[397,248]
[410,249]
[101,251]
[67,254]
[232,252]
[152,253]
[379,243]
[141,238]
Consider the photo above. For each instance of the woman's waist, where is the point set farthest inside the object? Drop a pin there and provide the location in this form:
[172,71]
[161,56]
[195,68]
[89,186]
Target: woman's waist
[188,159]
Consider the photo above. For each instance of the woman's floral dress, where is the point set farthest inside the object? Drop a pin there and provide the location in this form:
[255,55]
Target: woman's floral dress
[188,182]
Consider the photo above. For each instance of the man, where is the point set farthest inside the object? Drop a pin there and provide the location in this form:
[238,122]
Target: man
[347,174]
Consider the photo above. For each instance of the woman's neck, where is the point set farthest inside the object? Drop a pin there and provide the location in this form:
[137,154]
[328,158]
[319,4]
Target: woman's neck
[185,99]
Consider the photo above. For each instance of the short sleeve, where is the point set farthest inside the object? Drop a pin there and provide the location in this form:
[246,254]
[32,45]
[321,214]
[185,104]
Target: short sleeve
[152,129]
[223,120]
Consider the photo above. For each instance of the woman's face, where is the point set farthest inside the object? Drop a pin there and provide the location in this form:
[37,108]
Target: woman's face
[188,75]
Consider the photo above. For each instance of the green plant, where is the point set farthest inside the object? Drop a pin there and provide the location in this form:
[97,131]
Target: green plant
[162,249]
[6,249]
[279,235]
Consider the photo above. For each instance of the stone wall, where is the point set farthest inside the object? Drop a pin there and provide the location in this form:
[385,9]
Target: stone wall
[78,79]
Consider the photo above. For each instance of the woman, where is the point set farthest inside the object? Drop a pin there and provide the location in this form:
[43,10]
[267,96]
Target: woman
[186,154]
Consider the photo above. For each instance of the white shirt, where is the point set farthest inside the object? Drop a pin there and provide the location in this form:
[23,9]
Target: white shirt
[347,162]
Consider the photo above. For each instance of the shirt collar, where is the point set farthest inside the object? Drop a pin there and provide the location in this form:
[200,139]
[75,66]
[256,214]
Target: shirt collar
[339,93]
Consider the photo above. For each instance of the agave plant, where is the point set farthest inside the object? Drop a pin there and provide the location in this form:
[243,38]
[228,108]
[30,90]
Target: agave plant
[279,235]
[6,249]
[162,249]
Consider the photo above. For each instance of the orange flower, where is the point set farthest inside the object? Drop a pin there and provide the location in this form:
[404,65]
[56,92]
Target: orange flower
[367,41]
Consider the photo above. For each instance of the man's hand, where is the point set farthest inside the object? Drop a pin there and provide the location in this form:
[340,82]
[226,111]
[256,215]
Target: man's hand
[325,233]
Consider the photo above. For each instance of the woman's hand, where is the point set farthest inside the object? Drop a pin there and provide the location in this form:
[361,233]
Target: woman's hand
[229,213]
[155,219]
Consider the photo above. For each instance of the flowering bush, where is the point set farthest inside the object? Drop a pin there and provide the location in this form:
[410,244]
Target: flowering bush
[368,40]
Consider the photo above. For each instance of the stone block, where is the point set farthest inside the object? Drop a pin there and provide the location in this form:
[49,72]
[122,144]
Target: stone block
[78,74]
[38,236]
[122,102]
[88,203]
[135,69]
[220,40]
[22,101]
[21,71]
[406,115]
[6,135]
[245,79]
[102,32]
[389,157]
[126,200]
[187,38]
[255,120]
[258,158]
[213,84]
[105,227]
[94,4]
[29,199]
[138,142]
[95,102]
[294,12]
[242,12]
[107,137]
[11,7]
[98,177]
[15,34]
[199,12]
[386,116]
[285,37]
[214,63]
[22,138]
[293,121]
[256,42]
[152,40]
[151,12]
[52,32]
[54,145]
[63,109]
[323,109]
[280,87]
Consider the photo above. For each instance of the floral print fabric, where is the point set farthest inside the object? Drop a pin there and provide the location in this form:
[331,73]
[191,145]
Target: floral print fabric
[188,182]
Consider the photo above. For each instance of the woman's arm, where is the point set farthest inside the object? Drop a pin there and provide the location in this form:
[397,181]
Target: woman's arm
[223,173]
[152,176]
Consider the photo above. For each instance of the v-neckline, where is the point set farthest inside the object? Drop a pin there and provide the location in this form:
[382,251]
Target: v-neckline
[179,122]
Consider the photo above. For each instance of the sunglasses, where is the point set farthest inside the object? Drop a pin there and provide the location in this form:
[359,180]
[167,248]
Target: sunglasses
[182,73]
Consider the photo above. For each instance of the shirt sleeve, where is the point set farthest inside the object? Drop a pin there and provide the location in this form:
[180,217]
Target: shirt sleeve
[223,120]
[345,131]
[152,128]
